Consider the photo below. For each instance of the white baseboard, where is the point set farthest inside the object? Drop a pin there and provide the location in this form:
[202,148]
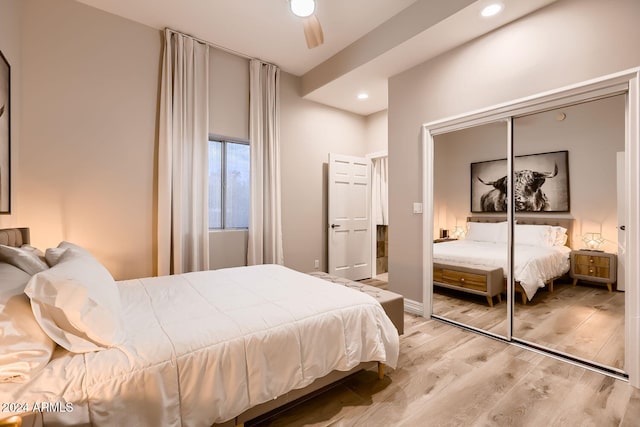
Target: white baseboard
[413,307]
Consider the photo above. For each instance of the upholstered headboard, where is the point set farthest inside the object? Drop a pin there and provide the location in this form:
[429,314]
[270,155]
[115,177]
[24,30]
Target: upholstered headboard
[14,236]
[562,222]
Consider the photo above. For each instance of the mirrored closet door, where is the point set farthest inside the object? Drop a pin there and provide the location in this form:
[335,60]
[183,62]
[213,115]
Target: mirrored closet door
[569,299]
[528,244]
[465,291]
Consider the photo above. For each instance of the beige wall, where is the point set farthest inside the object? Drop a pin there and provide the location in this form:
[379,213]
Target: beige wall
[87,154]
[376,132]
[87,165]
[10,16]
[309,132]
[567,42]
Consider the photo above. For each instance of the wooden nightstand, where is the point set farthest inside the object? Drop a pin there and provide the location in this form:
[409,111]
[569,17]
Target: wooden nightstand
[593,266]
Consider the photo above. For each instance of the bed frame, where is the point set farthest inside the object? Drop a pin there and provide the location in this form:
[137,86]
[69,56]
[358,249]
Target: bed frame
[17,237]
[487,282]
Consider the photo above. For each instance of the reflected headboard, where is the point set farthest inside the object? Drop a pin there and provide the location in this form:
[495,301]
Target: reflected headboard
[536,220]
[15,237]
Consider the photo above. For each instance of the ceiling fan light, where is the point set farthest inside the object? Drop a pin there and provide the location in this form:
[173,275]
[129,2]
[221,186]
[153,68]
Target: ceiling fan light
[303,8]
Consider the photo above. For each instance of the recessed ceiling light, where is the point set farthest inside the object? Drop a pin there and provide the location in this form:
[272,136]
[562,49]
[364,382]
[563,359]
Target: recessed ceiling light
[303,8]
[363,95]
[491,10]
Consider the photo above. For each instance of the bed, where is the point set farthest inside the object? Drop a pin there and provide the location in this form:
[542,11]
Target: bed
[478,263]
[205,348]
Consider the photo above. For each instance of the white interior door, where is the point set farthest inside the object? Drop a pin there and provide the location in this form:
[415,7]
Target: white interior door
[349,218]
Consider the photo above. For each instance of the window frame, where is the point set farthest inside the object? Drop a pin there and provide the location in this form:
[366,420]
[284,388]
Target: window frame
[224,140]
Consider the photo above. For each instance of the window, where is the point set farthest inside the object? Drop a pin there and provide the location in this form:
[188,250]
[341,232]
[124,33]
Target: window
[228,184]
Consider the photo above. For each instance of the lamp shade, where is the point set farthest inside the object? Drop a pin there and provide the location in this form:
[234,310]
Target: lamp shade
[593,241]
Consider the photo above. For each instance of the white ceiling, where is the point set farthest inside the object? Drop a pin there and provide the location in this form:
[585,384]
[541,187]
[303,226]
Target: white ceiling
[366,41]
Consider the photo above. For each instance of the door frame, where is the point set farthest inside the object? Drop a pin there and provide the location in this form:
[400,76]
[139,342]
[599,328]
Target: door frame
[625,81]
[374,235]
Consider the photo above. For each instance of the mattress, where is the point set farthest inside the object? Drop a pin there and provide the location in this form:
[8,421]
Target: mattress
[203,347]
[532,265]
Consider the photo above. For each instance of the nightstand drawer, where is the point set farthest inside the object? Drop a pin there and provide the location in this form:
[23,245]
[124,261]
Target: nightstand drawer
[592,260]
[592,270]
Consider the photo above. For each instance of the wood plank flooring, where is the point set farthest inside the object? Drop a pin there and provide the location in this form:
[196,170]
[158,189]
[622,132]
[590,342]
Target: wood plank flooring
[585,320]
[447,376]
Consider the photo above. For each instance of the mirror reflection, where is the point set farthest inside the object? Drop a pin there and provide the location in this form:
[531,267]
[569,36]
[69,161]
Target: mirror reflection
[574,303]
[470,257]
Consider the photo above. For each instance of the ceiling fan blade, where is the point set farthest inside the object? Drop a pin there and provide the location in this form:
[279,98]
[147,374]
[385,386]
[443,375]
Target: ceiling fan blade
[312,31]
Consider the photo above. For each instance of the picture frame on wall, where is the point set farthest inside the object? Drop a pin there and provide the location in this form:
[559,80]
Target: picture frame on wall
[541,184]
[5,135]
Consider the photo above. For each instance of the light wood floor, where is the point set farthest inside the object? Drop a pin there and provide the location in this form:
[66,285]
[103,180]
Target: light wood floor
[585,320]
[447,376]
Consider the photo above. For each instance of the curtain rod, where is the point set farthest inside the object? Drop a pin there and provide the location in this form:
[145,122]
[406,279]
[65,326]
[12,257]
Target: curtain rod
[222,48]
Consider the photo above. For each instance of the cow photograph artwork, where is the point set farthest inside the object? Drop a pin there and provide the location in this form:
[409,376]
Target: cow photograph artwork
[540,184]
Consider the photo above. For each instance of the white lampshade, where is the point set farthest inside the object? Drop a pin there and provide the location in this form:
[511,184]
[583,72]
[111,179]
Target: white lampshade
[593,241]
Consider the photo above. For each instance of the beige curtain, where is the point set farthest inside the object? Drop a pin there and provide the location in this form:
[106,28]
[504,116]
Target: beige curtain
[183,234]
[265,217]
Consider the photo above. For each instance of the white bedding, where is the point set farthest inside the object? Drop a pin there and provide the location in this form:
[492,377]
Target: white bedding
[532,265]
[203,347]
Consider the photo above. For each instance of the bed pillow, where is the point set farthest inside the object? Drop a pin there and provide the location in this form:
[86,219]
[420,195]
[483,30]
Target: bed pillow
[560,236]
[534,235]
[24,347]
[53,255]
[26,258]
[486,231]
[77,303]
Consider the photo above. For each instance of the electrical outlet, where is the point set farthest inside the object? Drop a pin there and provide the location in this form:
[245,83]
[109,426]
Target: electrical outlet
[316,264]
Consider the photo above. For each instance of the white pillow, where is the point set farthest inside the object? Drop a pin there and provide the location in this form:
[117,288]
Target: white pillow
[52,255]
[24,347]
[77,303]
[25,258]
[534,235]
[560,238]
[487,231]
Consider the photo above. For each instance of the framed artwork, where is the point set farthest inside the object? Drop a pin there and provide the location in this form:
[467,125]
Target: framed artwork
[5,135]
[541,184]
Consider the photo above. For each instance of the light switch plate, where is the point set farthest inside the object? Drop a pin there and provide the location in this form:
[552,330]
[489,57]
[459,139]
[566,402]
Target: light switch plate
[417,208]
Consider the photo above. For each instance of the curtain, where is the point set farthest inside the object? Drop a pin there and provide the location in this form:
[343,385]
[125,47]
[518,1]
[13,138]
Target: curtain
[380,194]
[183,229]
[265,216]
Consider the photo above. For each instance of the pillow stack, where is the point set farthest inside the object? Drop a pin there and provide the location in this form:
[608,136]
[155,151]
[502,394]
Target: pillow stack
[63,297]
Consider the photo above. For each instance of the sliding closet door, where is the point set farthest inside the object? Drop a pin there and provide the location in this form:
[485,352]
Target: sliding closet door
[470,256]
[566,207]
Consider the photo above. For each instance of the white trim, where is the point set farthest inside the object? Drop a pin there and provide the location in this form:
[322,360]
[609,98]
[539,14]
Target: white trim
[632,273]
[413,307]
[629,81]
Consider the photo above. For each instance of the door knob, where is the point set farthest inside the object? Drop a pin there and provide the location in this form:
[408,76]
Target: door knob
[622,227]
[335,225]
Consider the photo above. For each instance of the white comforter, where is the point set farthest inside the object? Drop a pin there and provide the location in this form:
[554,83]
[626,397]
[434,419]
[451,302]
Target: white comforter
[532,265]
[203,347]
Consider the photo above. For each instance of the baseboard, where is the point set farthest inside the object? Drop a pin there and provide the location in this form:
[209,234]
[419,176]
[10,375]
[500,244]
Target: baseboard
[413,307]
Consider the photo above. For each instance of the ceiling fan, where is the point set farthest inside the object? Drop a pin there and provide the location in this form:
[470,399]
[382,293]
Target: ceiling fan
[312,30]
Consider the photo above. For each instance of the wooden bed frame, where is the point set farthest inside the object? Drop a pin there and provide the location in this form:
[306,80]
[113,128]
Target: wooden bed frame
[19,236]
[491,282]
